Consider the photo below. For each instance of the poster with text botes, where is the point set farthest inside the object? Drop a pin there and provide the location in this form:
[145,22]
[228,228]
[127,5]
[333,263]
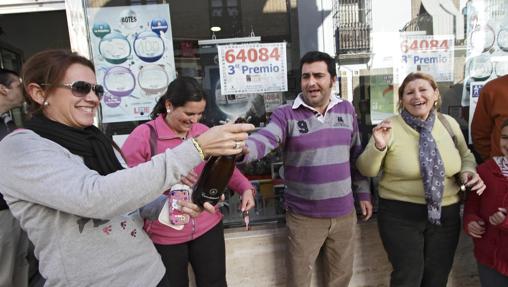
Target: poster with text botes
[132,50]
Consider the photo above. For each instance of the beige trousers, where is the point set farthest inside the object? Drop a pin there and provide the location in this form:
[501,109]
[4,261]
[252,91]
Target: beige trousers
[307,235]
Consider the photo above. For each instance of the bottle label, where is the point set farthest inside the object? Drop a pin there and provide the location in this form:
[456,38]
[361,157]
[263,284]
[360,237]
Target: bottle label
[210,196]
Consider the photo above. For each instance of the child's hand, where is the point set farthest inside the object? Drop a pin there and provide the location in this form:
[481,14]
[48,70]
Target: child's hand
[476,228]
[498,217]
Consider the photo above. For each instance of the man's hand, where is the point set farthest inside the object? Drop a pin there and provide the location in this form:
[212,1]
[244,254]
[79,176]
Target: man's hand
[366,207]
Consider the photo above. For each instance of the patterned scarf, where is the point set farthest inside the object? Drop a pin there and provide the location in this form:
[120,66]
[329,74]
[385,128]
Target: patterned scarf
[431,164]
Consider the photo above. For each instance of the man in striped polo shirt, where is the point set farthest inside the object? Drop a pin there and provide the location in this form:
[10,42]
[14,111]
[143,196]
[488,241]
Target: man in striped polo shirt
[320,140]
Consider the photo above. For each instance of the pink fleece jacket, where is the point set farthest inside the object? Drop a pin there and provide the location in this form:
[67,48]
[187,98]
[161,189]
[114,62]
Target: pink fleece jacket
[136,150]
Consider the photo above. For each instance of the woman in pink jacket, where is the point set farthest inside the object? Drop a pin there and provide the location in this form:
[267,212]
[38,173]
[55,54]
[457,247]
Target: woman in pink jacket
[201,241]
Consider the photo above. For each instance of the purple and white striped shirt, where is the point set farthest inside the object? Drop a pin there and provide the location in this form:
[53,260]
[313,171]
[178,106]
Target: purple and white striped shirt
[319,154]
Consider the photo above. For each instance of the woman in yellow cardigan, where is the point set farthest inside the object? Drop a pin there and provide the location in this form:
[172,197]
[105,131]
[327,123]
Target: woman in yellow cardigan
[418,215]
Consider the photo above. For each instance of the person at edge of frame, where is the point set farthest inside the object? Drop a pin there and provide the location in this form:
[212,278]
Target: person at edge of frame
[68,185]
[485,217]
[14,244]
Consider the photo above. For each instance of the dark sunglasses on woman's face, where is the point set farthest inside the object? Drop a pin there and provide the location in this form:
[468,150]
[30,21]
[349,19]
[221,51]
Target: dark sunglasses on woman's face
[81,88]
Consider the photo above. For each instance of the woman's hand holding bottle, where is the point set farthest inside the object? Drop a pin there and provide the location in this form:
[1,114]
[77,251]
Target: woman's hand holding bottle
[226,139]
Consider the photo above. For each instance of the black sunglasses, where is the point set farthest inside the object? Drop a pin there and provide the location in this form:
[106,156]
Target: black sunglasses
[81,88]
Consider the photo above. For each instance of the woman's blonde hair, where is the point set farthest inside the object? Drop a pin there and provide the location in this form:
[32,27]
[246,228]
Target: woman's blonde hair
[419,76]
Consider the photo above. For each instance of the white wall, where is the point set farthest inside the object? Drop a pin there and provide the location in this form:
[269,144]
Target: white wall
[315,25]
[390,15]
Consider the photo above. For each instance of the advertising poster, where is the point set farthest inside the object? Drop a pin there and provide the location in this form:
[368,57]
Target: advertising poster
[132,51]
[432,54]
[252,68]
[474,94]
[381,97]
[487,46]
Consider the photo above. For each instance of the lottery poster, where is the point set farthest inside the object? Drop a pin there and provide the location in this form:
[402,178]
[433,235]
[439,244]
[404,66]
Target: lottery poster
[132,50]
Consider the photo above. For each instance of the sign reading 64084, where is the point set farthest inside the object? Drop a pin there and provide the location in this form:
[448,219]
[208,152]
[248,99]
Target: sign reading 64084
[252,55]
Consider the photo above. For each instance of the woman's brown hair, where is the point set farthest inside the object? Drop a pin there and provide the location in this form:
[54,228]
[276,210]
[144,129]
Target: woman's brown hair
[48,67]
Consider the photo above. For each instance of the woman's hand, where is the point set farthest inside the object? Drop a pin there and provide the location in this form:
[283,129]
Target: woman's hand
[473,181]
[381,134]
[247,203]
[247,200]
[226,139]
[476,228]
[498,217]
[193,209]
[190,179]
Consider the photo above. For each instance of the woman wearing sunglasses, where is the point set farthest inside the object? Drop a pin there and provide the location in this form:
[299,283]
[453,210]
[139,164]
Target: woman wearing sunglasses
[67,185]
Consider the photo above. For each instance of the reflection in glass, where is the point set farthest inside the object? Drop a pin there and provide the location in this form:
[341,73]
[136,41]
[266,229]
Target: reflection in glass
[501,68]
[482,38]
[480,68]
[502,39]
[232,105]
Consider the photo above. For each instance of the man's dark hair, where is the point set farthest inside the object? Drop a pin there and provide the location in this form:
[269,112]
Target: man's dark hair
[6,76]
[316,56]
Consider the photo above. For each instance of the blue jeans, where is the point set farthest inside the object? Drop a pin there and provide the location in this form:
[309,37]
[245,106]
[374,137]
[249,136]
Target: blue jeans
[421,253]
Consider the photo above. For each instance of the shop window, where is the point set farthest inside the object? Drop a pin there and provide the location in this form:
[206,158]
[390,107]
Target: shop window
[190,22]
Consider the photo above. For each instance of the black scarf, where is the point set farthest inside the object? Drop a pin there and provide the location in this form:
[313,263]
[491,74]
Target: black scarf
[89,143]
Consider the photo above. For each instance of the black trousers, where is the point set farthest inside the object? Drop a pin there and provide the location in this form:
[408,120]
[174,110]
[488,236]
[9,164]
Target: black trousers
[206,254]
[490,277]
[421,253]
